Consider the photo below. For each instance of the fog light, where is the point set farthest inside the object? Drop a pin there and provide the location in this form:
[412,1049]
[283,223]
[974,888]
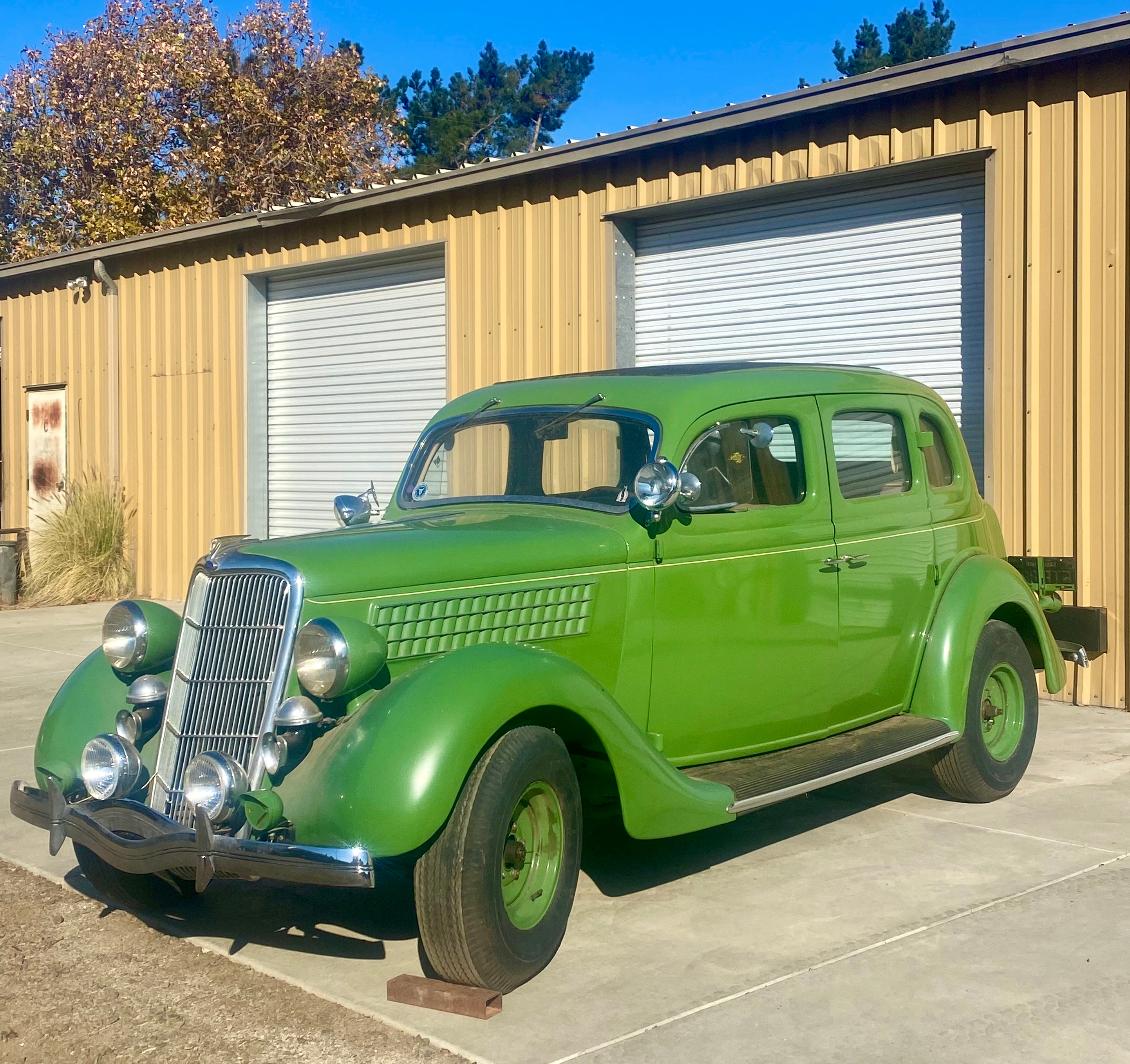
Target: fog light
[213,782]
[110,767]
[273,751]
[129,725]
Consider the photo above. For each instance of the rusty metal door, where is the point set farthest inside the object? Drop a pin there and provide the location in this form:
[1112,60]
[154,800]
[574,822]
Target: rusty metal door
[46,452]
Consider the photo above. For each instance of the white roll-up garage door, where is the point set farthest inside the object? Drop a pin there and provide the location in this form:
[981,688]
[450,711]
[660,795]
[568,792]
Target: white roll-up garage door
[356,366]
[890,277]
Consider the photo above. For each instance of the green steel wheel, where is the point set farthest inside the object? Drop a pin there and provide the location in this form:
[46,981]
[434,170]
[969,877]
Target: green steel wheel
[1002,712]
[531,856]
[495,888]
[1001,716]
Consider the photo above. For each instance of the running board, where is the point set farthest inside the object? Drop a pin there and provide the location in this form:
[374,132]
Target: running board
[763,779]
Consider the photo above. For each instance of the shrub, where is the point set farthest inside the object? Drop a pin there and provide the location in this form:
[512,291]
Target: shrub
[79,552]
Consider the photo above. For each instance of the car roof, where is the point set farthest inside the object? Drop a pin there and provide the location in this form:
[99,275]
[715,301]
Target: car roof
[678,393]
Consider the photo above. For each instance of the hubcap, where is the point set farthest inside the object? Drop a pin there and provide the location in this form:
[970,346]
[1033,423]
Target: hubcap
[531,856]
[1002,712]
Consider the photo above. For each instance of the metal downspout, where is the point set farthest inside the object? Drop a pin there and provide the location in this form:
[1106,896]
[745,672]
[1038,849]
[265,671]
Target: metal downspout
[110,292]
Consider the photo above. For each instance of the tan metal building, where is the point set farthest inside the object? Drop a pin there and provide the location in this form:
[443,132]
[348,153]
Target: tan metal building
[963,219]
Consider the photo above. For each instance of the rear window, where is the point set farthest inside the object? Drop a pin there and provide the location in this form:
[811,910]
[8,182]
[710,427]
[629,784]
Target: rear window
[871,454]
[939,465]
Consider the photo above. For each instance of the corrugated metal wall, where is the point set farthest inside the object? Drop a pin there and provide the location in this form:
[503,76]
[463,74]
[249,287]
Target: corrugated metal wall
[530,292]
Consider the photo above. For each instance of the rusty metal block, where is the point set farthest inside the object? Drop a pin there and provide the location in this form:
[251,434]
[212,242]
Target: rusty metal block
[471,1001]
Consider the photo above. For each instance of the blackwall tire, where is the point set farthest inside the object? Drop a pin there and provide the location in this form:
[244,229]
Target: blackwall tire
[495,888]
[1001,717]
[143,893]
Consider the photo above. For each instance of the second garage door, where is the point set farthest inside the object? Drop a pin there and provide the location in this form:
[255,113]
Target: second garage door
[356,366]
[890,277]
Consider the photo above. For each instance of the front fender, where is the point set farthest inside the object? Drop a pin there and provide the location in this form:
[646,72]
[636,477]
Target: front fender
[982,587]
[84,706]
[388,776]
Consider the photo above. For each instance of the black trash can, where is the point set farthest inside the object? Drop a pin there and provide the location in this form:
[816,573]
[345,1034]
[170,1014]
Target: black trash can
[12,544]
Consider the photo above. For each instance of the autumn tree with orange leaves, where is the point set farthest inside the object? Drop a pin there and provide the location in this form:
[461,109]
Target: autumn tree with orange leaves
[153,117]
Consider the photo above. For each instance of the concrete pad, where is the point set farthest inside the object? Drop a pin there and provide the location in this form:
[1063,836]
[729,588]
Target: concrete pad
[873,868]
[979,988]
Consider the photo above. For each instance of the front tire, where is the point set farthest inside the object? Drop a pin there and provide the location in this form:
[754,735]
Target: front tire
[495,889]
[1001,716]
[143,893]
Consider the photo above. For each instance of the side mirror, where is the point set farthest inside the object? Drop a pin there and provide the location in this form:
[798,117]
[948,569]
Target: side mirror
[659,484]
[352,510]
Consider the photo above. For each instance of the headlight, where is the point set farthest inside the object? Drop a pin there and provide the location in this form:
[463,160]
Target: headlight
[321,657]
[336,657]
[125,635]
[139,636]
[110,767]
[213,782]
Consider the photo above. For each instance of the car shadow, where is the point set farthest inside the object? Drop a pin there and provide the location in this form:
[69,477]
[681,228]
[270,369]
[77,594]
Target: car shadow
[619,865]
[355,924]
[325,921]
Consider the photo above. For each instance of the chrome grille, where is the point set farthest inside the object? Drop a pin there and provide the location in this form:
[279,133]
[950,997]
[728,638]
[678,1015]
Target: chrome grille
[231,662]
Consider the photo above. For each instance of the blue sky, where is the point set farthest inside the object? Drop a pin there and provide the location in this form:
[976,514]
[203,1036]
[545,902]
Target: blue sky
[651,60]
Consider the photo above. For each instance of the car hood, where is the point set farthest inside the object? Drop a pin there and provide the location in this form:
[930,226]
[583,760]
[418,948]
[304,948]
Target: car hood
[448,546]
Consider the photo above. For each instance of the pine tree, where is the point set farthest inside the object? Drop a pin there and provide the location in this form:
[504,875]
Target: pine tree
[493,109]
[913,35]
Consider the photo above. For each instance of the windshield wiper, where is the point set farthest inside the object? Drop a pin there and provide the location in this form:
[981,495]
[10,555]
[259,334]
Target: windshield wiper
[543,431]
[466,419]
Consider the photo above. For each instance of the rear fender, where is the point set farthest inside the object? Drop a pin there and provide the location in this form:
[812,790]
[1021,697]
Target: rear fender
[982,588]
[390,774]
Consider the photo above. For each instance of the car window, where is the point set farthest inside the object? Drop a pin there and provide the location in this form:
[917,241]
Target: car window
[871,455]
[476,466]
[586,454]
[939,465]
[533,454]
[745,464]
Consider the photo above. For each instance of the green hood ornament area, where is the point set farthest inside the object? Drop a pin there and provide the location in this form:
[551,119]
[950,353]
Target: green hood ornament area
[685,594]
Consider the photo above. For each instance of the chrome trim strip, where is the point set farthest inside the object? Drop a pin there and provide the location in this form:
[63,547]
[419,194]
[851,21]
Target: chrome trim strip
[747,805]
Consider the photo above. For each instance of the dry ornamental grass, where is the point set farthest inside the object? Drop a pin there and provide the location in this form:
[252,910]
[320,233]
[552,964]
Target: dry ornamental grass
[80,551]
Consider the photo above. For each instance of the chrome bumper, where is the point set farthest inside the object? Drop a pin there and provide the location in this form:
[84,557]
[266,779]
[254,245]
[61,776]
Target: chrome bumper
[160,844]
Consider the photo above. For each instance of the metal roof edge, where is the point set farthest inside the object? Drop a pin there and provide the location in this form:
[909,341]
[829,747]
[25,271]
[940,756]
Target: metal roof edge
[987,59]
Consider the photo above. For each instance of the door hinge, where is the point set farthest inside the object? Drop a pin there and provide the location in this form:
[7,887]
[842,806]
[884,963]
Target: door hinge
[936,573]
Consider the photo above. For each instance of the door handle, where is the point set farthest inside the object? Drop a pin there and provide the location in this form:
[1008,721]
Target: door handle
[848,559]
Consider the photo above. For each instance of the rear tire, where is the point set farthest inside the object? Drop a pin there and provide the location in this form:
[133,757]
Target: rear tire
[145,893]
[495,889]
[1001,716]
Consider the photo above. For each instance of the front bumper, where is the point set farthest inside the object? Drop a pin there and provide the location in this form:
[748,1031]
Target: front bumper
[139,840]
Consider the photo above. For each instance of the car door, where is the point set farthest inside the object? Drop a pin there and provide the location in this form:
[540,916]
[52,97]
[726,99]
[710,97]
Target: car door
[745,606]
[885,550]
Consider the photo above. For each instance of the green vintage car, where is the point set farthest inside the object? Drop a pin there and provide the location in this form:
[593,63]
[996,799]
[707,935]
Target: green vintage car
[683,593]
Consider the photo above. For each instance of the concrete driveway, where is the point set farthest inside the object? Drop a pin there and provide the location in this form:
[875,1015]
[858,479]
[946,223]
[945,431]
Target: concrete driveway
[874,920]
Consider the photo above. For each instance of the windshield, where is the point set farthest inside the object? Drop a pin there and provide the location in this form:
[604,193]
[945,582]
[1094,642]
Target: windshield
[540,455]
